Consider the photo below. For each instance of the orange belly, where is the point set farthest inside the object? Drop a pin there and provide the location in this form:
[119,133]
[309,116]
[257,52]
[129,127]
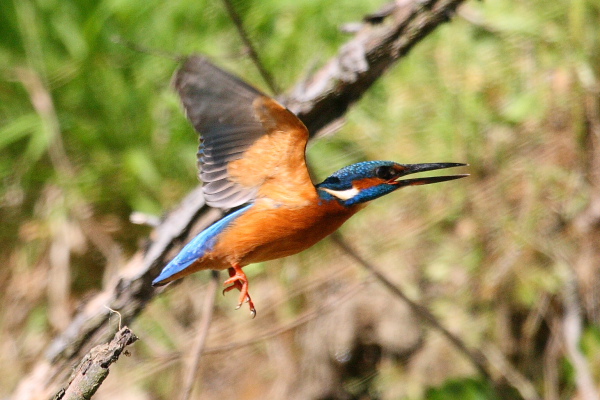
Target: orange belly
[266,233]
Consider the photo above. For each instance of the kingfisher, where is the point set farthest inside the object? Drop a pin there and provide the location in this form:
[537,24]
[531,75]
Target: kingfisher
[252,162]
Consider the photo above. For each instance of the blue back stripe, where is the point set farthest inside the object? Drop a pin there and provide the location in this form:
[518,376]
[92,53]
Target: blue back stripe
[197,247]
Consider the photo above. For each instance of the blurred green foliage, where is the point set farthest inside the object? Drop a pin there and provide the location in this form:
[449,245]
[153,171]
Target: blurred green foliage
[91,131]
[466,389]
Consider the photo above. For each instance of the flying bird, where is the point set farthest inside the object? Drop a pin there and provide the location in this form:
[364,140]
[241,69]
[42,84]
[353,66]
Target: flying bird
[252,160]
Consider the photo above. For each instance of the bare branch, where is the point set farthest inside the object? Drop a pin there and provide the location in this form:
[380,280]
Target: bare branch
[304,318]
[93,369]
[204,326]
[510,373]
[572,328]
[325,96]
[482,361]
[474,356]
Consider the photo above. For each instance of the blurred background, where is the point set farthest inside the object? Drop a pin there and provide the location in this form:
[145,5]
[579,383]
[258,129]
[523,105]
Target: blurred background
[508,259]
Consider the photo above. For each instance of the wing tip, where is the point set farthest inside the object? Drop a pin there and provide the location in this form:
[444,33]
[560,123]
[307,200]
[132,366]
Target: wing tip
[197,67]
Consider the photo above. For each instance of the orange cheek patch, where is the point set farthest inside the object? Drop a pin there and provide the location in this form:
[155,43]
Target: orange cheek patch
[367,183]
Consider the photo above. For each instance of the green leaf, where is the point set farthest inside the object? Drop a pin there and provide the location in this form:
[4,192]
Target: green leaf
[19,128]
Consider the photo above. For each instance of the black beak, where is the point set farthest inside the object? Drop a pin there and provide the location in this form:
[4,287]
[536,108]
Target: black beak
[414,168]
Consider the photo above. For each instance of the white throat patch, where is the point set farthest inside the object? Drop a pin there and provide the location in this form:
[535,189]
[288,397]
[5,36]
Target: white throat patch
[342,194]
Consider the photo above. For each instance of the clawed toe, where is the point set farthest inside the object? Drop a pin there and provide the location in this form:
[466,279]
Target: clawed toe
[238,280]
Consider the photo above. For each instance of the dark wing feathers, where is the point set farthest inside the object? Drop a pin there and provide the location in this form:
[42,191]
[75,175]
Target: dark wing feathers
[231,117]
[220,107]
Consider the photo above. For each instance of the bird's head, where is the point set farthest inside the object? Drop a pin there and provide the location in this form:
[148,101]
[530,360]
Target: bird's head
[365,181]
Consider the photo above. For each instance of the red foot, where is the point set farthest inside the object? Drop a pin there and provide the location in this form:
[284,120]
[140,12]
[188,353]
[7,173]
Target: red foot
[238,280]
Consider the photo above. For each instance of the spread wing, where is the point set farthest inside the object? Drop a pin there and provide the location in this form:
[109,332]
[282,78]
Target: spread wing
[249,142]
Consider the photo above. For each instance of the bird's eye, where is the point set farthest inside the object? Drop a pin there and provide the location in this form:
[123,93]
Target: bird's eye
[332,180]
[385,172]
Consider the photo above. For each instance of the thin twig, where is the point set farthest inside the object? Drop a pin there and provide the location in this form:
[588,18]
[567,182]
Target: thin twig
[301,320]
[237,21]
[42,102]
[324,308]
[512,375]
[572,332]
[476,358]
[198,350]
[480,360]
[146,50]
[116,312]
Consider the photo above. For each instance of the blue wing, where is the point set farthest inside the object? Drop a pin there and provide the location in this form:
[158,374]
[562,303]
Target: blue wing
[195,249]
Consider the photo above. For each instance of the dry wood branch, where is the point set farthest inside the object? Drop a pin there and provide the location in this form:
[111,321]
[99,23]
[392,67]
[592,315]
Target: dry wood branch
[475,357]
[324,98]
[320,101]
[308,316]
[572,330]
[204,326]
[510,373]
[93,369]
[482,361]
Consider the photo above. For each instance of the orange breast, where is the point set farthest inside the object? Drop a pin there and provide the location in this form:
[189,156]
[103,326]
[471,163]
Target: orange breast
[267,232]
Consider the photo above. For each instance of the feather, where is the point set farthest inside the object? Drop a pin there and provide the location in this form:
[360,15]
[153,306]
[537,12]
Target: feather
[198,247]
[247,138]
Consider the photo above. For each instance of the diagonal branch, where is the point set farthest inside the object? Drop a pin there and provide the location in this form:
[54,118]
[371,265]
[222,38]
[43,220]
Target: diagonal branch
[319,101]
[93,369]
[483,361]
[324,97]
[203,327]
[475,357]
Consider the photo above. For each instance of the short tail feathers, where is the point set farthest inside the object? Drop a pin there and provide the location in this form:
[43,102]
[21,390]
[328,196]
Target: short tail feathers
[195,249]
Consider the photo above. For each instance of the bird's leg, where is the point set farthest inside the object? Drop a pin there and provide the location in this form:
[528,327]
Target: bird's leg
[234,285]
[239,280]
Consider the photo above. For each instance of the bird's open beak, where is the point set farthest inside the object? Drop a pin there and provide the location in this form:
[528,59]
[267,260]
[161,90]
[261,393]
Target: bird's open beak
[414,168]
